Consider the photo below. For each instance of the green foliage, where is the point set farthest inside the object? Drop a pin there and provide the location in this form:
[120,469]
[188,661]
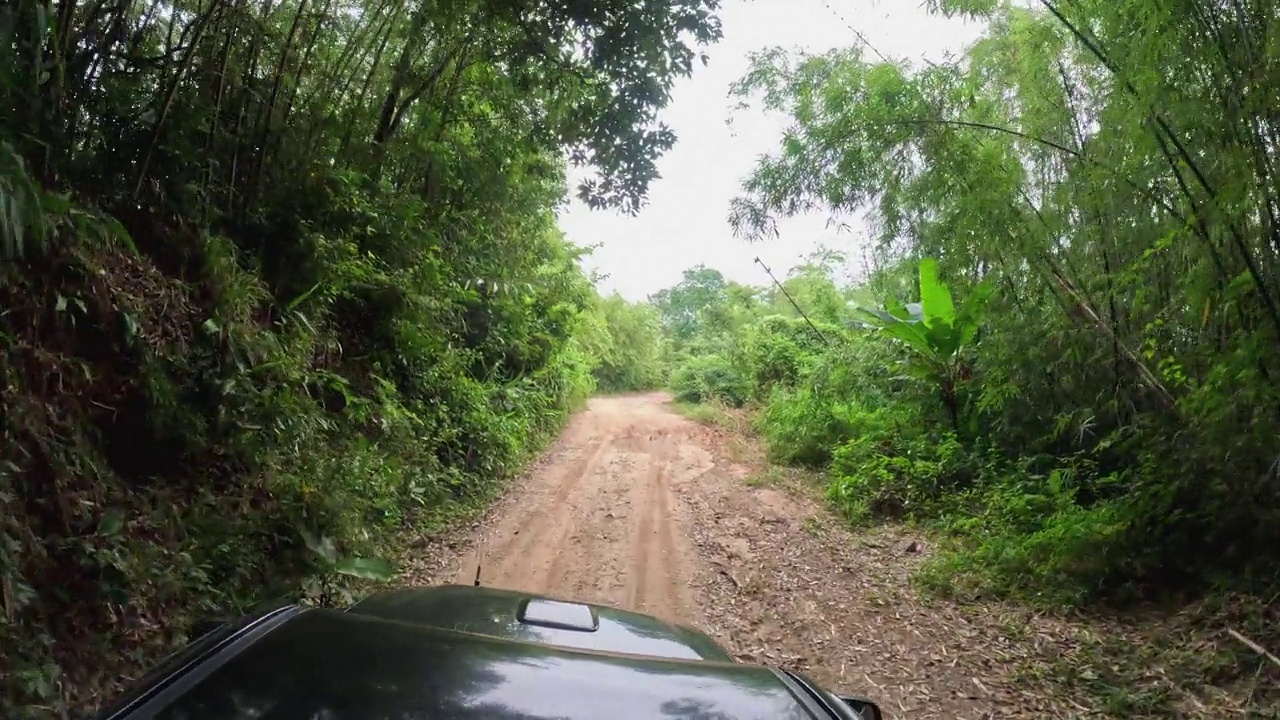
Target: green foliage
[629,355]
[1091,181]
[932,328]
[1088,407]
[811,286]
[889,469]
[935,332]
[805,422]
[707,378]
[282,279]
[1083,401]
[802,426]
[688,310]
[774,351]
[21,219]
[701,311]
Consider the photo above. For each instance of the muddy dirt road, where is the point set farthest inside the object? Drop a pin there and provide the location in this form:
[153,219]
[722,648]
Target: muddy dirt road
[637,507]
[602,518]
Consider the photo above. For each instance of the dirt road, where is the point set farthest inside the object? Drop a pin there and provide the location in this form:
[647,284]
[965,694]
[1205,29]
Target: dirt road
[637,507]
[602,519]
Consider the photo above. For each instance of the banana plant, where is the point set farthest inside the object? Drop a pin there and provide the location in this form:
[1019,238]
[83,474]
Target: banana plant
[934,330]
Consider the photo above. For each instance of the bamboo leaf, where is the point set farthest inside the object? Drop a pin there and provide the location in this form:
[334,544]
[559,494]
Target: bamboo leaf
[366,568]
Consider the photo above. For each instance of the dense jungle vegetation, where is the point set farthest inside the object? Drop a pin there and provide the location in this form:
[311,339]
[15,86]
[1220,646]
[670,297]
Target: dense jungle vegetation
[1096,183]
[1062,348]
[281,278]
[1066,341]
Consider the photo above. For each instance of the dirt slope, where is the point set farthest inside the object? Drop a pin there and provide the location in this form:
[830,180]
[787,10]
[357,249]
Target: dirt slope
[640,508]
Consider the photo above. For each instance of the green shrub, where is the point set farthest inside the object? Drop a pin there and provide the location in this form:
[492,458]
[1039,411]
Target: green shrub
[882,473]
[801,426]
[839,395]
[629,352]
[776,350]
[280,437]
[709,377]
[1029,537]
[1013,530]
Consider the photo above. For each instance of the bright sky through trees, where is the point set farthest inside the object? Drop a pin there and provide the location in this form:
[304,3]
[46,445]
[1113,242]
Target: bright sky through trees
[685,221]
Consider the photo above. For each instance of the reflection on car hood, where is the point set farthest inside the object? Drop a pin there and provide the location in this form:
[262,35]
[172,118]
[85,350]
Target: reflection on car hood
[495,612]
[331,665]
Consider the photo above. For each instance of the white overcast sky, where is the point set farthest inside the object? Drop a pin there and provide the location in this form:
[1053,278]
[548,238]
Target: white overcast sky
[686,220]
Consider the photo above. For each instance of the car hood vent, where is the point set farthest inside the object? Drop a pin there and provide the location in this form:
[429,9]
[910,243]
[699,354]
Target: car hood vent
[556,614]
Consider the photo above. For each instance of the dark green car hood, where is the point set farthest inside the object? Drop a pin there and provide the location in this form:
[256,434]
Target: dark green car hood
[489,611]
[457,652]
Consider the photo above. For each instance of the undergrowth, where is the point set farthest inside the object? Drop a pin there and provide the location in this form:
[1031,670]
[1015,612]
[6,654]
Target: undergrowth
[181,449]
[909,434]
[279,281]
[715,414]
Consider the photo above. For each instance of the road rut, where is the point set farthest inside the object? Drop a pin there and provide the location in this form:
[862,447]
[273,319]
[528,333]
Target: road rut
[600,520]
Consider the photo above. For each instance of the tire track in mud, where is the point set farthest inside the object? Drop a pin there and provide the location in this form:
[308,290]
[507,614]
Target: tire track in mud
[659,571]
[637,583]
[596,522]
[526,548]
[584,560]
[673,603]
